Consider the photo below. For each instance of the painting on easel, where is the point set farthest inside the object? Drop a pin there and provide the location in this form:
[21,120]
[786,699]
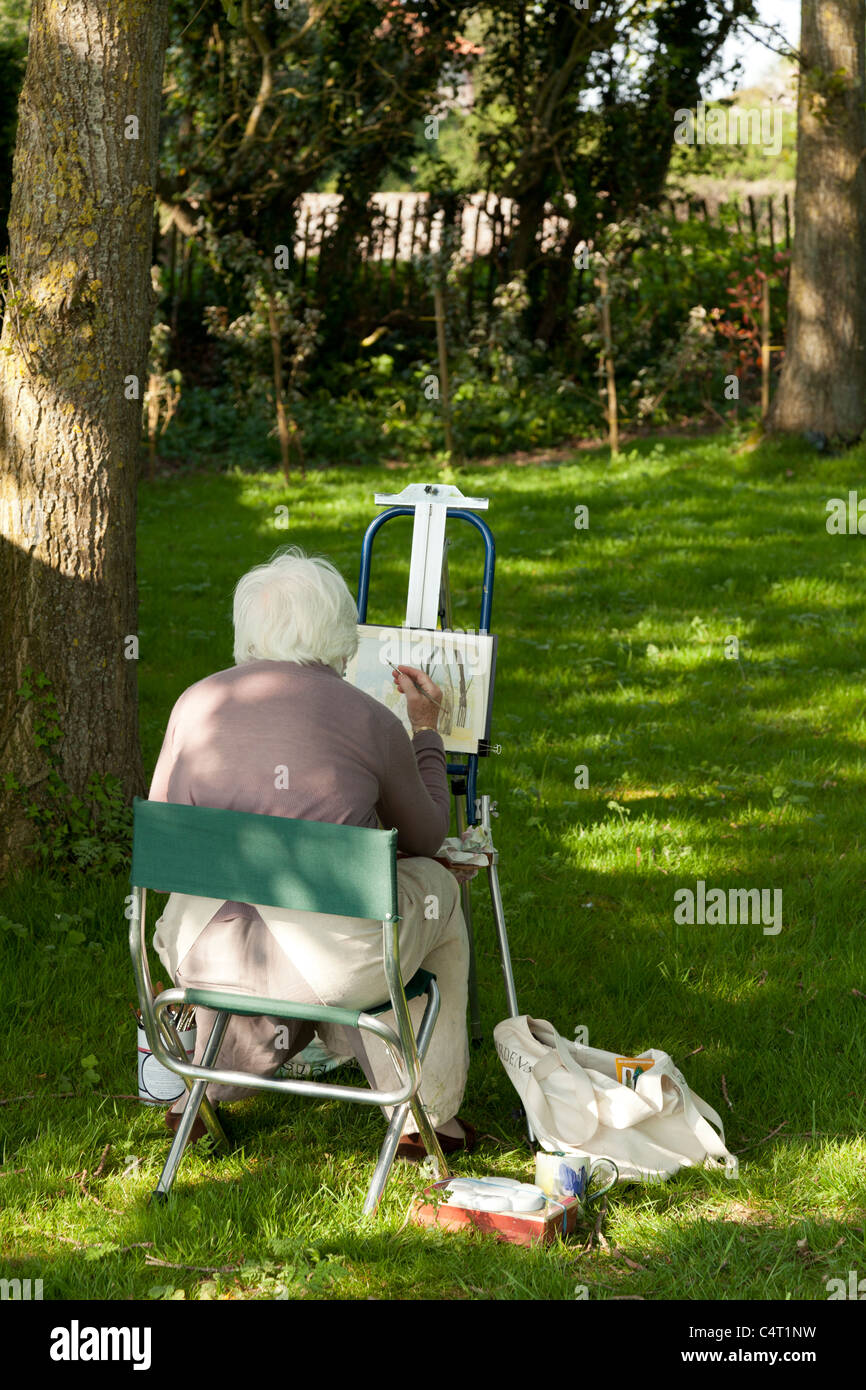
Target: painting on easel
[462,664]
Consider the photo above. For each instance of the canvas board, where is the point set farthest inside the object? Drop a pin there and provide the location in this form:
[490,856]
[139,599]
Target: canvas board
[462,664]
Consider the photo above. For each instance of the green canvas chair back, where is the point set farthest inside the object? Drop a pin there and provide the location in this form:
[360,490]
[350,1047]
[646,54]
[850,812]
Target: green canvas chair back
[236,856]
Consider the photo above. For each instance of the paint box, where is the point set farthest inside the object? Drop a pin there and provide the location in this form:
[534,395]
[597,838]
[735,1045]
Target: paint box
[515,1227]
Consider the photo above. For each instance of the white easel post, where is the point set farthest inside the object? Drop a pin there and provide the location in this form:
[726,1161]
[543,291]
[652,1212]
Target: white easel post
[431,502]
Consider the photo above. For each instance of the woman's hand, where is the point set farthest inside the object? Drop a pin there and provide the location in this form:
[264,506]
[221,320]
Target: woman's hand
[422,705]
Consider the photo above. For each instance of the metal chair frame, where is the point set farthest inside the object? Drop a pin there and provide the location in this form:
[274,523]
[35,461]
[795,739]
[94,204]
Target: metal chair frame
[153,820]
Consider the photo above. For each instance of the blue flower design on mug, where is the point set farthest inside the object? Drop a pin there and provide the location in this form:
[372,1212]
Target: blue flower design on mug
[572,1182]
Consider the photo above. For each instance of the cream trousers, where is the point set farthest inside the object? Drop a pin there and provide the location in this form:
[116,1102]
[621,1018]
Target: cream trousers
[313,958]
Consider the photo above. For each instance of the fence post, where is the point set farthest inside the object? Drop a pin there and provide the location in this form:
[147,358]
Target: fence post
[771,224]
[765,349]
[410,265]
[787,223]
[470,295]
[754,221]
[303,275]
[496,226]
[444,391]
[607,341]
[397,224]
[287,430]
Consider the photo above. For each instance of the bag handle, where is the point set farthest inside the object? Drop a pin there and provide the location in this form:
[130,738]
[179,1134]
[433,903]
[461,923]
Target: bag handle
[584,1102]
[696,1111]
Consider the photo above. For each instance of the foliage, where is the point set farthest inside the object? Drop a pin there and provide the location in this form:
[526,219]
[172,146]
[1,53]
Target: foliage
[740,322]
[590,96]
[694,352]
[676,311]
[261,111]
[248,337]
[92,832]
[162,397]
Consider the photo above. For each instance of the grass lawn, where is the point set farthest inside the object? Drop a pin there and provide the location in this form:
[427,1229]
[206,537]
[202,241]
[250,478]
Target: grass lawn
[745,771]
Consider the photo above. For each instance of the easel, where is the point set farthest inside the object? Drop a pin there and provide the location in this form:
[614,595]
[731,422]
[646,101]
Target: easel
[429,601]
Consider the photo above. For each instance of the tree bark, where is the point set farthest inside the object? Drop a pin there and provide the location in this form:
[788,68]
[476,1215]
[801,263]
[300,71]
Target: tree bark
[823,382]
[73,363]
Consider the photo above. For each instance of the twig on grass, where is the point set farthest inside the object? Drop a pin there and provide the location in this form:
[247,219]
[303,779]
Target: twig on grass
[632,1264]
[810,1257]
[756,1142]
[66,1095]
[97,1172]
[598,1237]
[83,1244]
[495,1140]
[196,1269]
[81,1179]
[725,1092]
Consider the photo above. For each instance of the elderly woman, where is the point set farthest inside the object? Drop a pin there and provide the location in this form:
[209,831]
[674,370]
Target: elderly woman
[282,734]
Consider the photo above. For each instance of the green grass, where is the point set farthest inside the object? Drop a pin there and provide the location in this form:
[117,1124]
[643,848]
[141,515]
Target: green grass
[745,772]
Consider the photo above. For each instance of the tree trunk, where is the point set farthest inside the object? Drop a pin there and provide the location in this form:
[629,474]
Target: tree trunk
[73,362]
[823,382]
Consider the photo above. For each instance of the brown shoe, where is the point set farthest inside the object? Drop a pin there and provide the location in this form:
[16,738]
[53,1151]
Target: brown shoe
[411,1146]
[199,1128]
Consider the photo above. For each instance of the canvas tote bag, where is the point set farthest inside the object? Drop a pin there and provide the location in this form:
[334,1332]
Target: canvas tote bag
[575,1103]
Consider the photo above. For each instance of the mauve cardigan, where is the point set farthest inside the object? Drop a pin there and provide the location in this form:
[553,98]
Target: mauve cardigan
[282,739]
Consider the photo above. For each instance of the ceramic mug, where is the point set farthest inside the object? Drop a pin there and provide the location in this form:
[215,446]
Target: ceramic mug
[563,1176]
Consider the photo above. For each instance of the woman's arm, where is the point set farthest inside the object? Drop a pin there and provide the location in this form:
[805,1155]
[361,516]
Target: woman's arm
[415,797]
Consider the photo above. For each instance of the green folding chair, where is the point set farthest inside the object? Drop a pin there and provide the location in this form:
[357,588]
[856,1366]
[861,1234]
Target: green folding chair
[311,866]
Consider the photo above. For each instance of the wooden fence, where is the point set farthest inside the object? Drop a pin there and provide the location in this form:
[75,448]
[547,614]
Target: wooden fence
[768,220]
[404,228]
[408,225]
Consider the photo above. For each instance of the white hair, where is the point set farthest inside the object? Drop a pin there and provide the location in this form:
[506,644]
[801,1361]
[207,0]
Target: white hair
[295,608]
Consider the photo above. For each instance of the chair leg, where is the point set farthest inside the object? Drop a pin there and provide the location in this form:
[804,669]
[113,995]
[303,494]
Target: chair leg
[206,1110]
[187,1119]
[398,1118]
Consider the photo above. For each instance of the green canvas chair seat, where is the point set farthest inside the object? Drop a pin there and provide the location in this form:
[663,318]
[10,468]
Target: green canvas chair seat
[256,1004]
[310,866]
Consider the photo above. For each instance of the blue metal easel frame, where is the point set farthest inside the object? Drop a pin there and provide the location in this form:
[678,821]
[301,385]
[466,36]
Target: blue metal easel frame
[469,769]
[463,775]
